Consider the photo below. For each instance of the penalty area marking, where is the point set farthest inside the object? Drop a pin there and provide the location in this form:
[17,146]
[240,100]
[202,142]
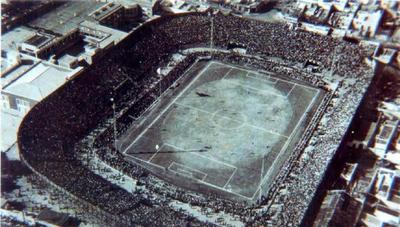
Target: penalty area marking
[203,182]
[195,153]
[187,167]
[140,161]
[214,160]
[189,85]
[167,108]
[196,170]
[156,101]
[206,67]
[151,158]
[226,74]
[267,79]
[230,178]
[290,91]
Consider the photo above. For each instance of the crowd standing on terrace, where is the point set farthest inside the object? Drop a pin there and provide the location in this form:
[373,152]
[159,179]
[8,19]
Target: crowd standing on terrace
[128,79]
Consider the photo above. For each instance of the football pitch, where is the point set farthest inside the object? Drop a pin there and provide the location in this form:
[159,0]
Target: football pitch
[223,127]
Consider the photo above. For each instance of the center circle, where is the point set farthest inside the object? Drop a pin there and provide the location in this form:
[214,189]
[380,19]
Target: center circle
[227,119]
[231,120]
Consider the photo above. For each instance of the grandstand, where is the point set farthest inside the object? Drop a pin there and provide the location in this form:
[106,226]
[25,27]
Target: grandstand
[79,118]
[223,126]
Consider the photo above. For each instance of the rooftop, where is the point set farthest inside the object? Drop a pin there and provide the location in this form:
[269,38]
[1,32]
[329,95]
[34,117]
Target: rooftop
[11,39]
[38,81]
[67,17]
[113,35]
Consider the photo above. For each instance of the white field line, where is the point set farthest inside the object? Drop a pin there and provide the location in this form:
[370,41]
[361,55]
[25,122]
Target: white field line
[228,191]
[129,156]
[297,84]
[203,182]
[190,175]
[151,158]
[290,90]
[222,116]
[156,101]
[189,85]
[226,74]
[167,108]
[261,92]
[256,72]
[214,160]
[185,172]
[187,167]
[287,141]
[230,178]
[267,79]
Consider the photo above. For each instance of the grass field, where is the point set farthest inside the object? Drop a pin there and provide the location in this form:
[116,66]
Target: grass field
[227,128]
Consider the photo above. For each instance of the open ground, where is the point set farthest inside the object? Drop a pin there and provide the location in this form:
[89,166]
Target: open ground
[222,126]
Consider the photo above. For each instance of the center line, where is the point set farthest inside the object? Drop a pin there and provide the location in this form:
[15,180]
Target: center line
[245,124]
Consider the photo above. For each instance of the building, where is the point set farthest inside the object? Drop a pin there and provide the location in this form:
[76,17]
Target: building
[365,23]
[355,20]
[382,204]
[385,55]
[348,177]
[22,87]
[250,6]
[97,40]
[28,87]
[115,15]
[316,14]
[43,44]
[111,13]
[365,136]
[15,13]
[385,138]
[338,209]
[49,217]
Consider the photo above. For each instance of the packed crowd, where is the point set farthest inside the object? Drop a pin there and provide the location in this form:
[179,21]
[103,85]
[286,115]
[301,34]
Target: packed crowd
[128,78]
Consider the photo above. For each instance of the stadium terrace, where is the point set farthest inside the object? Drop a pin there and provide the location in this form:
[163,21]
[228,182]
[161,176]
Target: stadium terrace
[169,107]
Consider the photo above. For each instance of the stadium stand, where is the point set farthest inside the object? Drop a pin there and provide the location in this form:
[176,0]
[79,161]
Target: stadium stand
[56,129]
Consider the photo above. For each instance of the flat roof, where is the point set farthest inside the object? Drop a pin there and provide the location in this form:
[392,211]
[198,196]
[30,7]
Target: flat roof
[115,35]
[67,17]
[11,39]
[38,40]
[38,82]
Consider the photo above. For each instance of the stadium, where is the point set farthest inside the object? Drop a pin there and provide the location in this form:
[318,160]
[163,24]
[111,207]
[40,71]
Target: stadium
[209,109]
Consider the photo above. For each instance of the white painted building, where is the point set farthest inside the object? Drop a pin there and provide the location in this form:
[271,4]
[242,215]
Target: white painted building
[22,87]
